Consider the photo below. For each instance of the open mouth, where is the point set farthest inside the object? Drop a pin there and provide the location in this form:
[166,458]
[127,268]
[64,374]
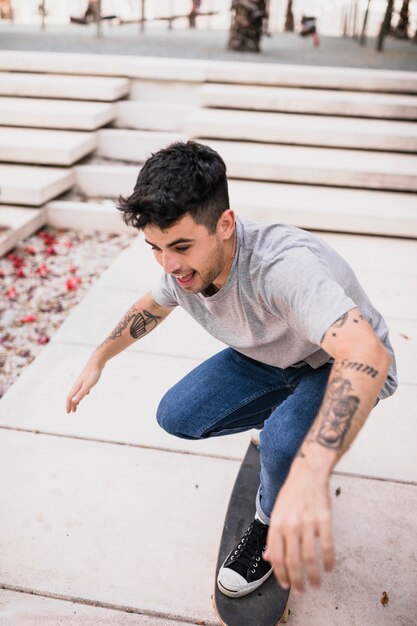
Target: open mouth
[185,280]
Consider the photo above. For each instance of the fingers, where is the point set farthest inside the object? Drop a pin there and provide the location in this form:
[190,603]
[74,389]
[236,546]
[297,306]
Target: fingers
[291,550]
[327,544]
[276,556]
[75,396]
[310,556]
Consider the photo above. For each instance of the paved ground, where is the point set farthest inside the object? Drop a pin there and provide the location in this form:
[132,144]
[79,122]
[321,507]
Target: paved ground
[108,520]
[199,44]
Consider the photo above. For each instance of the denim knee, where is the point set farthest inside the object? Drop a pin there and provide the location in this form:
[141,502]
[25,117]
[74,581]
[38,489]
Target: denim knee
[172,418]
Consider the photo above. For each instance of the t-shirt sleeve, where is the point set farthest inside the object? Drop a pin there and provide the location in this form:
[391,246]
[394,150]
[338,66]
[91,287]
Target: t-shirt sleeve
[303,291]
[163,293]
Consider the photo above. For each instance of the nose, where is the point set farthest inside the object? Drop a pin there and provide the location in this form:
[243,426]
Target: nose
[170,262]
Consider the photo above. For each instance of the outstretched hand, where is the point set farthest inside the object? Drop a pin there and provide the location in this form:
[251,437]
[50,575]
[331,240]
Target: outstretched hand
[81,388]
[302,513]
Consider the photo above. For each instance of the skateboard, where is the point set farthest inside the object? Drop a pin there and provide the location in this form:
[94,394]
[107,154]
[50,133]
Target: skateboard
[267,605]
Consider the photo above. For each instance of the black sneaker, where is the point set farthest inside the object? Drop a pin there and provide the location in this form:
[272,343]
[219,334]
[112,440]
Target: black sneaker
[244,570]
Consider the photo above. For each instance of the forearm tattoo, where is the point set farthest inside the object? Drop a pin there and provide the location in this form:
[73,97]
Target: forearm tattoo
[338,411]
[141,324]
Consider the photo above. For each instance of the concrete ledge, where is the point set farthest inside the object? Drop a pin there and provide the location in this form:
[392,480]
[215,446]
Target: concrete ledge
[306,206]
[44,147]
[316,101]
[318,77]
[22,223]
[133,145]
[303,130]
[326,208]
[86,216]
[32,186]
[152,115]
[153,68]
[69,87]
[319,166]
[105,181]
[190,70]
[43,113]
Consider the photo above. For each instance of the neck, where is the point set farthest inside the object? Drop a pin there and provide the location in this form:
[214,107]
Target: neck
[230,255]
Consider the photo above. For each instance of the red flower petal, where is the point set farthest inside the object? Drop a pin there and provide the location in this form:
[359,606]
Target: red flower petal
[11,293]
[51,250]
[68,244]
[28,319]
[73,269]
[20,273]
[30,250]
[43,340]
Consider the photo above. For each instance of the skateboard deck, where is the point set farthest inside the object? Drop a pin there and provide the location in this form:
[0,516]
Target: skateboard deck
[267,605]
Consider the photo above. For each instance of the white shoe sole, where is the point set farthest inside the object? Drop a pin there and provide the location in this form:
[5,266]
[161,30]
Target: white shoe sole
[241,592]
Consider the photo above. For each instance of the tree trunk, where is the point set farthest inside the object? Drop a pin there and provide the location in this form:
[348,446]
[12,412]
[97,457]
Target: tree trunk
[401,30]
[385,26]
[289,18]
[195,5]
[246,27]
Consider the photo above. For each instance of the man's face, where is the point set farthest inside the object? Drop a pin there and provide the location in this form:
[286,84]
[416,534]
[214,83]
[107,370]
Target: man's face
[191,254]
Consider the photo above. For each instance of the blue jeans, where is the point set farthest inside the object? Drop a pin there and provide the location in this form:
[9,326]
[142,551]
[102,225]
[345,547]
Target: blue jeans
[230,393]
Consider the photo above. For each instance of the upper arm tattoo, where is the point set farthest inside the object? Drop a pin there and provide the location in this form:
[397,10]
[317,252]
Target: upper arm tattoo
[341,321]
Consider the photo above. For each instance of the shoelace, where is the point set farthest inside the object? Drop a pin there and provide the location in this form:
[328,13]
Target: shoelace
[248,547]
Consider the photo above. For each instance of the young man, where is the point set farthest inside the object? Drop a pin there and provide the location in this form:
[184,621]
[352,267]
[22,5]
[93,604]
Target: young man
[308,356]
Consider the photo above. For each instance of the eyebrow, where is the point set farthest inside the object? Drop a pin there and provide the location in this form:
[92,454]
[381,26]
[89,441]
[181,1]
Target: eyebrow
[172,243]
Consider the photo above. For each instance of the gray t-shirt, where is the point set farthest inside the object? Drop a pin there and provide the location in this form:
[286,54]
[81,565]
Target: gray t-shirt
[285,288]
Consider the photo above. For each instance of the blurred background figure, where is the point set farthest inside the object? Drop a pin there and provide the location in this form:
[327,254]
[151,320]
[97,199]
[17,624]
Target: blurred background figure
[6,11]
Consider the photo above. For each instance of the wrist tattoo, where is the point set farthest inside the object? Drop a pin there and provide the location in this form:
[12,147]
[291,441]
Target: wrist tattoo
[141,321]
[338,411]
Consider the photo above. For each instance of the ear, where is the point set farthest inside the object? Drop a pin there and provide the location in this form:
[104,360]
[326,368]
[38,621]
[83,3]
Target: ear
[226,224]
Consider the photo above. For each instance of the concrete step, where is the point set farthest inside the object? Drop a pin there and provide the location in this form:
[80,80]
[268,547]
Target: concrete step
[133,145]
[256,161]
[319,166]
[67,87]
[32,186]
[152,115]
[306,206]
[21,222]
[308,76]
[305,130]
[48,147]
[86,216]
[60,114]
[321,102]
[198,70]
[326,208]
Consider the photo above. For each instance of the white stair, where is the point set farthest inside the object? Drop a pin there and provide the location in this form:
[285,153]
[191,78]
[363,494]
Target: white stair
[32,186]
[319,166]
[49,147]
[60,114]
[260,161]
[312,130]
[321,102]
[133,145]
[315,207]
[157,116]
[58,86]
[21,223]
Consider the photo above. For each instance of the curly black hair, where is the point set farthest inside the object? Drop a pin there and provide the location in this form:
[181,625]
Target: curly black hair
[182,178]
